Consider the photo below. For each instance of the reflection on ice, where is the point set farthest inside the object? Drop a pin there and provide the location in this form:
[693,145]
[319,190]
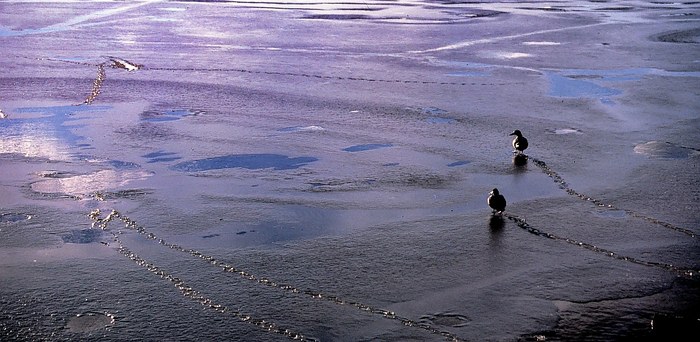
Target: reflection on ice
[32,144]
[89,183]
[496,223]
[42,132]
[519,160]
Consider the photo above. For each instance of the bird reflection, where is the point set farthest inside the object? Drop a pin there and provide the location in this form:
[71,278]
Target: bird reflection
[519,160]
[496,224]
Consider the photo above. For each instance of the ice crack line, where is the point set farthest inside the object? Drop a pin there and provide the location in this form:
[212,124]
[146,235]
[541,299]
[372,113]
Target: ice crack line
[325,77]
[103,223]
[520,222]
[119,63]
[96,84]
[191,293]
[113,62]
[565,186]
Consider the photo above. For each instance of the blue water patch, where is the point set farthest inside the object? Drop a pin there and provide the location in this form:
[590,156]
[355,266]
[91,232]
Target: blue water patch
[366,147]
[596,83]
[563,86]
[6,32]
[82,236]
[390,164]
[459,163]
[245,161]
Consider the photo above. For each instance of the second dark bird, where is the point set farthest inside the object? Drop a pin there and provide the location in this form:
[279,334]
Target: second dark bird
[496,201]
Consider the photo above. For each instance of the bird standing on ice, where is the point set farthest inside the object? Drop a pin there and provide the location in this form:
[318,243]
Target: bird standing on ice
[496,201]
[519,143]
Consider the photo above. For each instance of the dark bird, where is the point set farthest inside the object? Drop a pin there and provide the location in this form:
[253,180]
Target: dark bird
[496,201]
[519,143]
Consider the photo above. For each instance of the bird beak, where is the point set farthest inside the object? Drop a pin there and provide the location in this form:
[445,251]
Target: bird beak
[512,133]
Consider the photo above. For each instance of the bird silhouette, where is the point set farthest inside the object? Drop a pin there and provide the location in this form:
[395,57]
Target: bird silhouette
[496,201]
[519,143]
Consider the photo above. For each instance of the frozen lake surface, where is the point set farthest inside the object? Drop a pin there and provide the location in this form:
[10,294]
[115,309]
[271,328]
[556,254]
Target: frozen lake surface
[264,171]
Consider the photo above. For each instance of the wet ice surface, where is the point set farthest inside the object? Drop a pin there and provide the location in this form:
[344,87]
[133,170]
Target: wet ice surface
[322,169]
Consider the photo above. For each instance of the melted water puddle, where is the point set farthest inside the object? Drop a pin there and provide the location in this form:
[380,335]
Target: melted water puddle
[90,321]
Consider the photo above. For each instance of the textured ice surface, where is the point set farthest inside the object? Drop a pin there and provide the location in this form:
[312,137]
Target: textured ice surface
[322,168]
